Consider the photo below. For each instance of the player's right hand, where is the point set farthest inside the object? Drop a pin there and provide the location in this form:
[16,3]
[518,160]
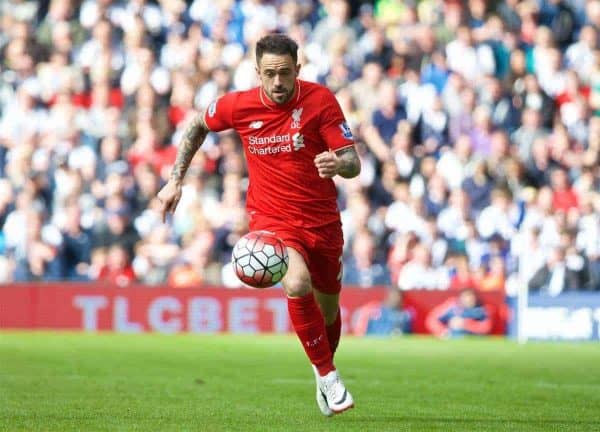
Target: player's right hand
[327,164]
[169,197]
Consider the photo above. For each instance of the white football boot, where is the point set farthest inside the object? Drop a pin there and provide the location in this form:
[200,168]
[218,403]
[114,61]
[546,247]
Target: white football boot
[321,401]
[334,391]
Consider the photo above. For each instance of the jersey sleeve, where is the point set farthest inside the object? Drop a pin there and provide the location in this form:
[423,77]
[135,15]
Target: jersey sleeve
[219,114]
[333,128]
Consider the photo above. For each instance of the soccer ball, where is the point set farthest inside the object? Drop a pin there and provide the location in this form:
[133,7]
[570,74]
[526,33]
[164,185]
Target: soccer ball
[260,259]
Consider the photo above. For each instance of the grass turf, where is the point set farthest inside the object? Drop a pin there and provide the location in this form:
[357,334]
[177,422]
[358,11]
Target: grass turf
[106,382]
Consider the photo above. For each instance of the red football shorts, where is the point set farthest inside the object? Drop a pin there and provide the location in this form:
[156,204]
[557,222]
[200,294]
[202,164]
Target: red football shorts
[321,247]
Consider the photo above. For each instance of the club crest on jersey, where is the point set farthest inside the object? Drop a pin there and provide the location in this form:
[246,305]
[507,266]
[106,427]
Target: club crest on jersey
[346,132]
[212,109]
[256,124]
[296,116]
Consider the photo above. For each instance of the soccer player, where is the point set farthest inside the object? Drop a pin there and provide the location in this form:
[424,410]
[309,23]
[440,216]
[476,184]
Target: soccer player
[295,139]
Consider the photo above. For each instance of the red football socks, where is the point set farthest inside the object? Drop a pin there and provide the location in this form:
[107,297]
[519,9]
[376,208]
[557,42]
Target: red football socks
[333,333]
[309,325]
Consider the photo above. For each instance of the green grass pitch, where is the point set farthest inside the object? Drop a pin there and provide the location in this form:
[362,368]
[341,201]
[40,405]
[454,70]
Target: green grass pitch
[105,382]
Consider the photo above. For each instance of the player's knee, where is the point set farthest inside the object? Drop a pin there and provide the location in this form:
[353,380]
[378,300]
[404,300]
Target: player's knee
[296,286]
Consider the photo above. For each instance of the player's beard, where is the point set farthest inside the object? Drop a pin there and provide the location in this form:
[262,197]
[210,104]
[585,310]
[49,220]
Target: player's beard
[282,97]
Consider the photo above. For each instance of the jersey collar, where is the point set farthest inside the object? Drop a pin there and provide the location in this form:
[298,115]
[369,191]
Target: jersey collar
[275,106]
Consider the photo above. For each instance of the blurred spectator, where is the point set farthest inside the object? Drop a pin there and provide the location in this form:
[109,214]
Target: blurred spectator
[22,117]
[508,12]
[504,115]
[198,248]
[6,202]
[478,186]
[111,158]
[40,257]
[558,275]
[539,167]
[154,255]
[559,17]
[493,277]
[77,245]
[364,89]
[117,229]
[405,161]
[335,23]
[433,126]
[481,131]
[500,217]
[454,161]
[117,271]
[529,253]
[400,253]
[460,316]
[385,318]
[468,58]
[101,46]
[436,73]
[529,95]
[15,225]
[564,198]
[60,11]
[475,247]
[147,183]
[361,269]
[528,132]
[184,275]
[418,272]
[461,122]
[462,277]
[580,55]
[588,236]
[453,219]
[384,121]
[435,198]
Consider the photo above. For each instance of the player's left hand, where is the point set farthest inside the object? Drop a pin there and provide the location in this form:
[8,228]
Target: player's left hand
[327,164]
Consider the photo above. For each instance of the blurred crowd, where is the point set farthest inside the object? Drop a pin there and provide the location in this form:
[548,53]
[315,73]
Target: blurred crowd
[477,122]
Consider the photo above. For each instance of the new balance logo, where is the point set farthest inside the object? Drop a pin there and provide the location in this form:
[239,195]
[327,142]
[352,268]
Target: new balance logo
[296,116]
[256,124]
[298,140]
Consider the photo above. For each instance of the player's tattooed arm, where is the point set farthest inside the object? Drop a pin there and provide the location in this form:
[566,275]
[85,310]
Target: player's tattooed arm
[193,137]
[344,162]
[348,162]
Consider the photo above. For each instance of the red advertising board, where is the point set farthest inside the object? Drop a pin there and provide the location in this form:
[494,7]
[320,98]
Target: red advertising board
[94,307]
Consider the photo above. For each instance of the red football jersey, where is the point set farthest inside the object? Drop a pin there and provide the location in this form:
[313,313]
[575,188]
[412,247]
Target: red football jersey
[280,143]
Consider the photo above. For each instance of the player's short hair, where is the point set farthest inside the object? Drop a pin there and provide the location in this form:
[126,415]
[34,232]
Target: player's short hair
[276,43]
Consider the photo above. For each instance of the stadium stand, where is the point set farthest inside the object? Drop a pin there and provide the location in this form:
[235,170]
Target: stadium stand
[478,125]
